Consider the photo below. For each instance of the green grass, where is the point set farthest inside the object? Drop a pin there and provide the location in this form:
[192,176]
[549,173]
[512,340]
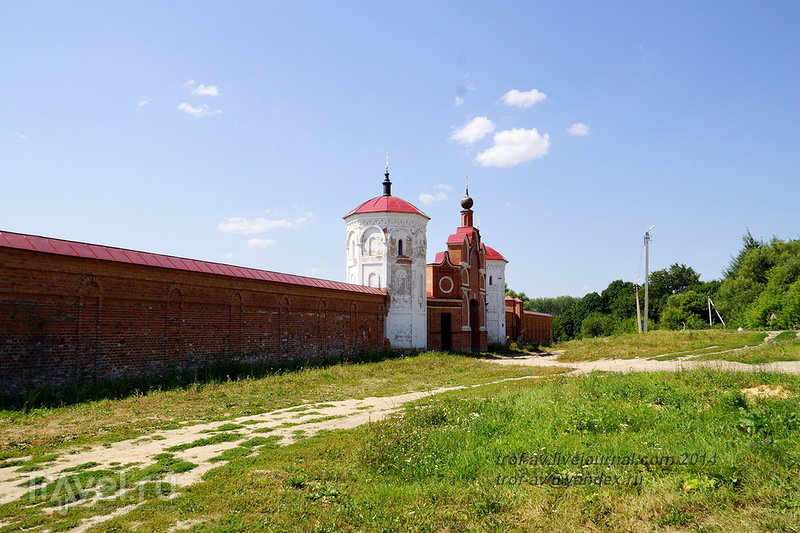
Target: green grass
[216,439]
[82,467]
[786,336]
[782,348]
[32,464]
[716,460]
[43,430]
[656,343]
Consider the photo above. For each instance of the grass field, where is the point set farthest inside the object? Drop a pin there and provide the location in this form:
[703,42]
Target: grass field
[42,431]
[715,459]
[659,343]
[696,450]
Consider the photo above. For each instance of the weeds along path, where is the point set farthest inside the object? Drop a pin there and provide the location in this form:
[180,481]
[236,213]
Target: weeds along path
[203,445]
[657,363]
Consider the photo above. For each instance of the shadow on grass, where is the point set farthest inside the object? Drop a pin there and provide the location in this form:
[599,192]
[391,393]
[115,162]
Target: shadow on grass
[502,351]
[226,368]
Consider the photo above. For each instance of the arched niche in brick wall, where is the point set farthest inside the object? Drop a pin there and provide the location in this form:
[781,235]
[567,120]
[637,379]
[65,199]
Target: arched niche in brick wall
[322,320]
[90,302]
[235,308]
[173,320]
[284,309]
[354,325]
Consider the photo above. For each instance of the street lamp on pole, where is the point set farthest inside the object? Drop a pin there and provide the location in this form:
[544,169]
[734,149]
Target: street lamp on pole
[647,275]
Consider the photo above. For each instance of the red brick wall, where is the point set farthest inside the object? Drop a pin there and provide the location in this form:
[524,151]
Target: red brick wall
[67,318]
[526,326]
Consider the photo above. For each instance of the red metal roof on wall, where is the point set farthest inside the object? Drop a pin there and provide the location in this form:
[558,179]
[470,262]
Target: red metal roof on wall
[537,314]
[383,204]
[48,245]
[492,254]
[463,232]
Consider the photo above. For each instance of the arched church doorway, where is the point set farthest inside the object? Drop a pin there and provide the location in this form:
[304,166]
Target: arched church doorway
[475,325]
[447,332]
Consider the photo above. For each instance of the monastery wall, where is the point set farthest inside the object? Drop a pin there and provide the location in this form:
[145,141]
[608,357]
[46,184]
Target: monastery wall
[65,319]
[527,326]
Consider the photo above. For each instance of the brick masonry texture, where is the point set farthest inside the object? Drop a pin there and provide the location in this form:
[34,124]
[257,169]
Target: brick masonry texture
[526,326]
[65,319]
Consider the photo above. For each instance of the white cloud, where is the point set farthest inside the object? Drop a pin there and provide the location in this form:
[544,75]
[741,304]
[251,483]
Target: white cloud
[579,130]
[523,99]
[20,135]
[198,111]
[459,101]
[203,90]
[206,90]
[143,102]
[473,131]
[515,146]
[260,243]
[444,186]
[248,226]
[426,198]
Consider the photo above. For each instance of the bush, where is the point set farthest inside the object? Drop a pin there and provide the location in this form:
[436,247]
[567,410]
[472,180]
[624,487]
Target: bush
[597,325]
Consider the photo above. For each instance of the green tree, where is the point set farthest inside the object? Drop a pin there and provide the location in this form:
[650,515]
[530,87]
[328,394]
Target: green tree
[554,306]
[688,309]
[790,313]
[520,295]
[762,285]
[619,299]
[569,325]
[734,296]
[748,243]
[664,283]
[774,307]
[597,325]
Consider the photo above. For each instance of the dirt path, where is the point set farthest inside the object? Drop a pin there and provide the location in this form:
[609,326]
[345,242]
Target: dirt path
[287,425]
[651,364]
[646,365]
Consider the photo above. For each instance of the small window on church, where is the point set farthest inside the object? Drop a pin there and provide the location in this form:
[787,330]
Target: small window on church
[400,247]
[490,280]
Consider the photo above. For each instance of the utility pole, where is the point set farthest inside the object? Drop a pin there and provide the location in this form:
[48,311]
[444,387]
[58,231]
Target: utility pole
[647,275]
[638,310]
[710,304]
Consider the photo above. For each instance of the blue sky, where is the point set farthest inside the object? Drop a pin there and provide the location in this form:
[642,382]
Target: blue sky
[242,132]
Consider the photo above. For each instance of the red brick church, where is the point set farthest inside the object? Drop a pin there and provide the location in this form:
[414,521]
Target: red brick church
[456,289]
